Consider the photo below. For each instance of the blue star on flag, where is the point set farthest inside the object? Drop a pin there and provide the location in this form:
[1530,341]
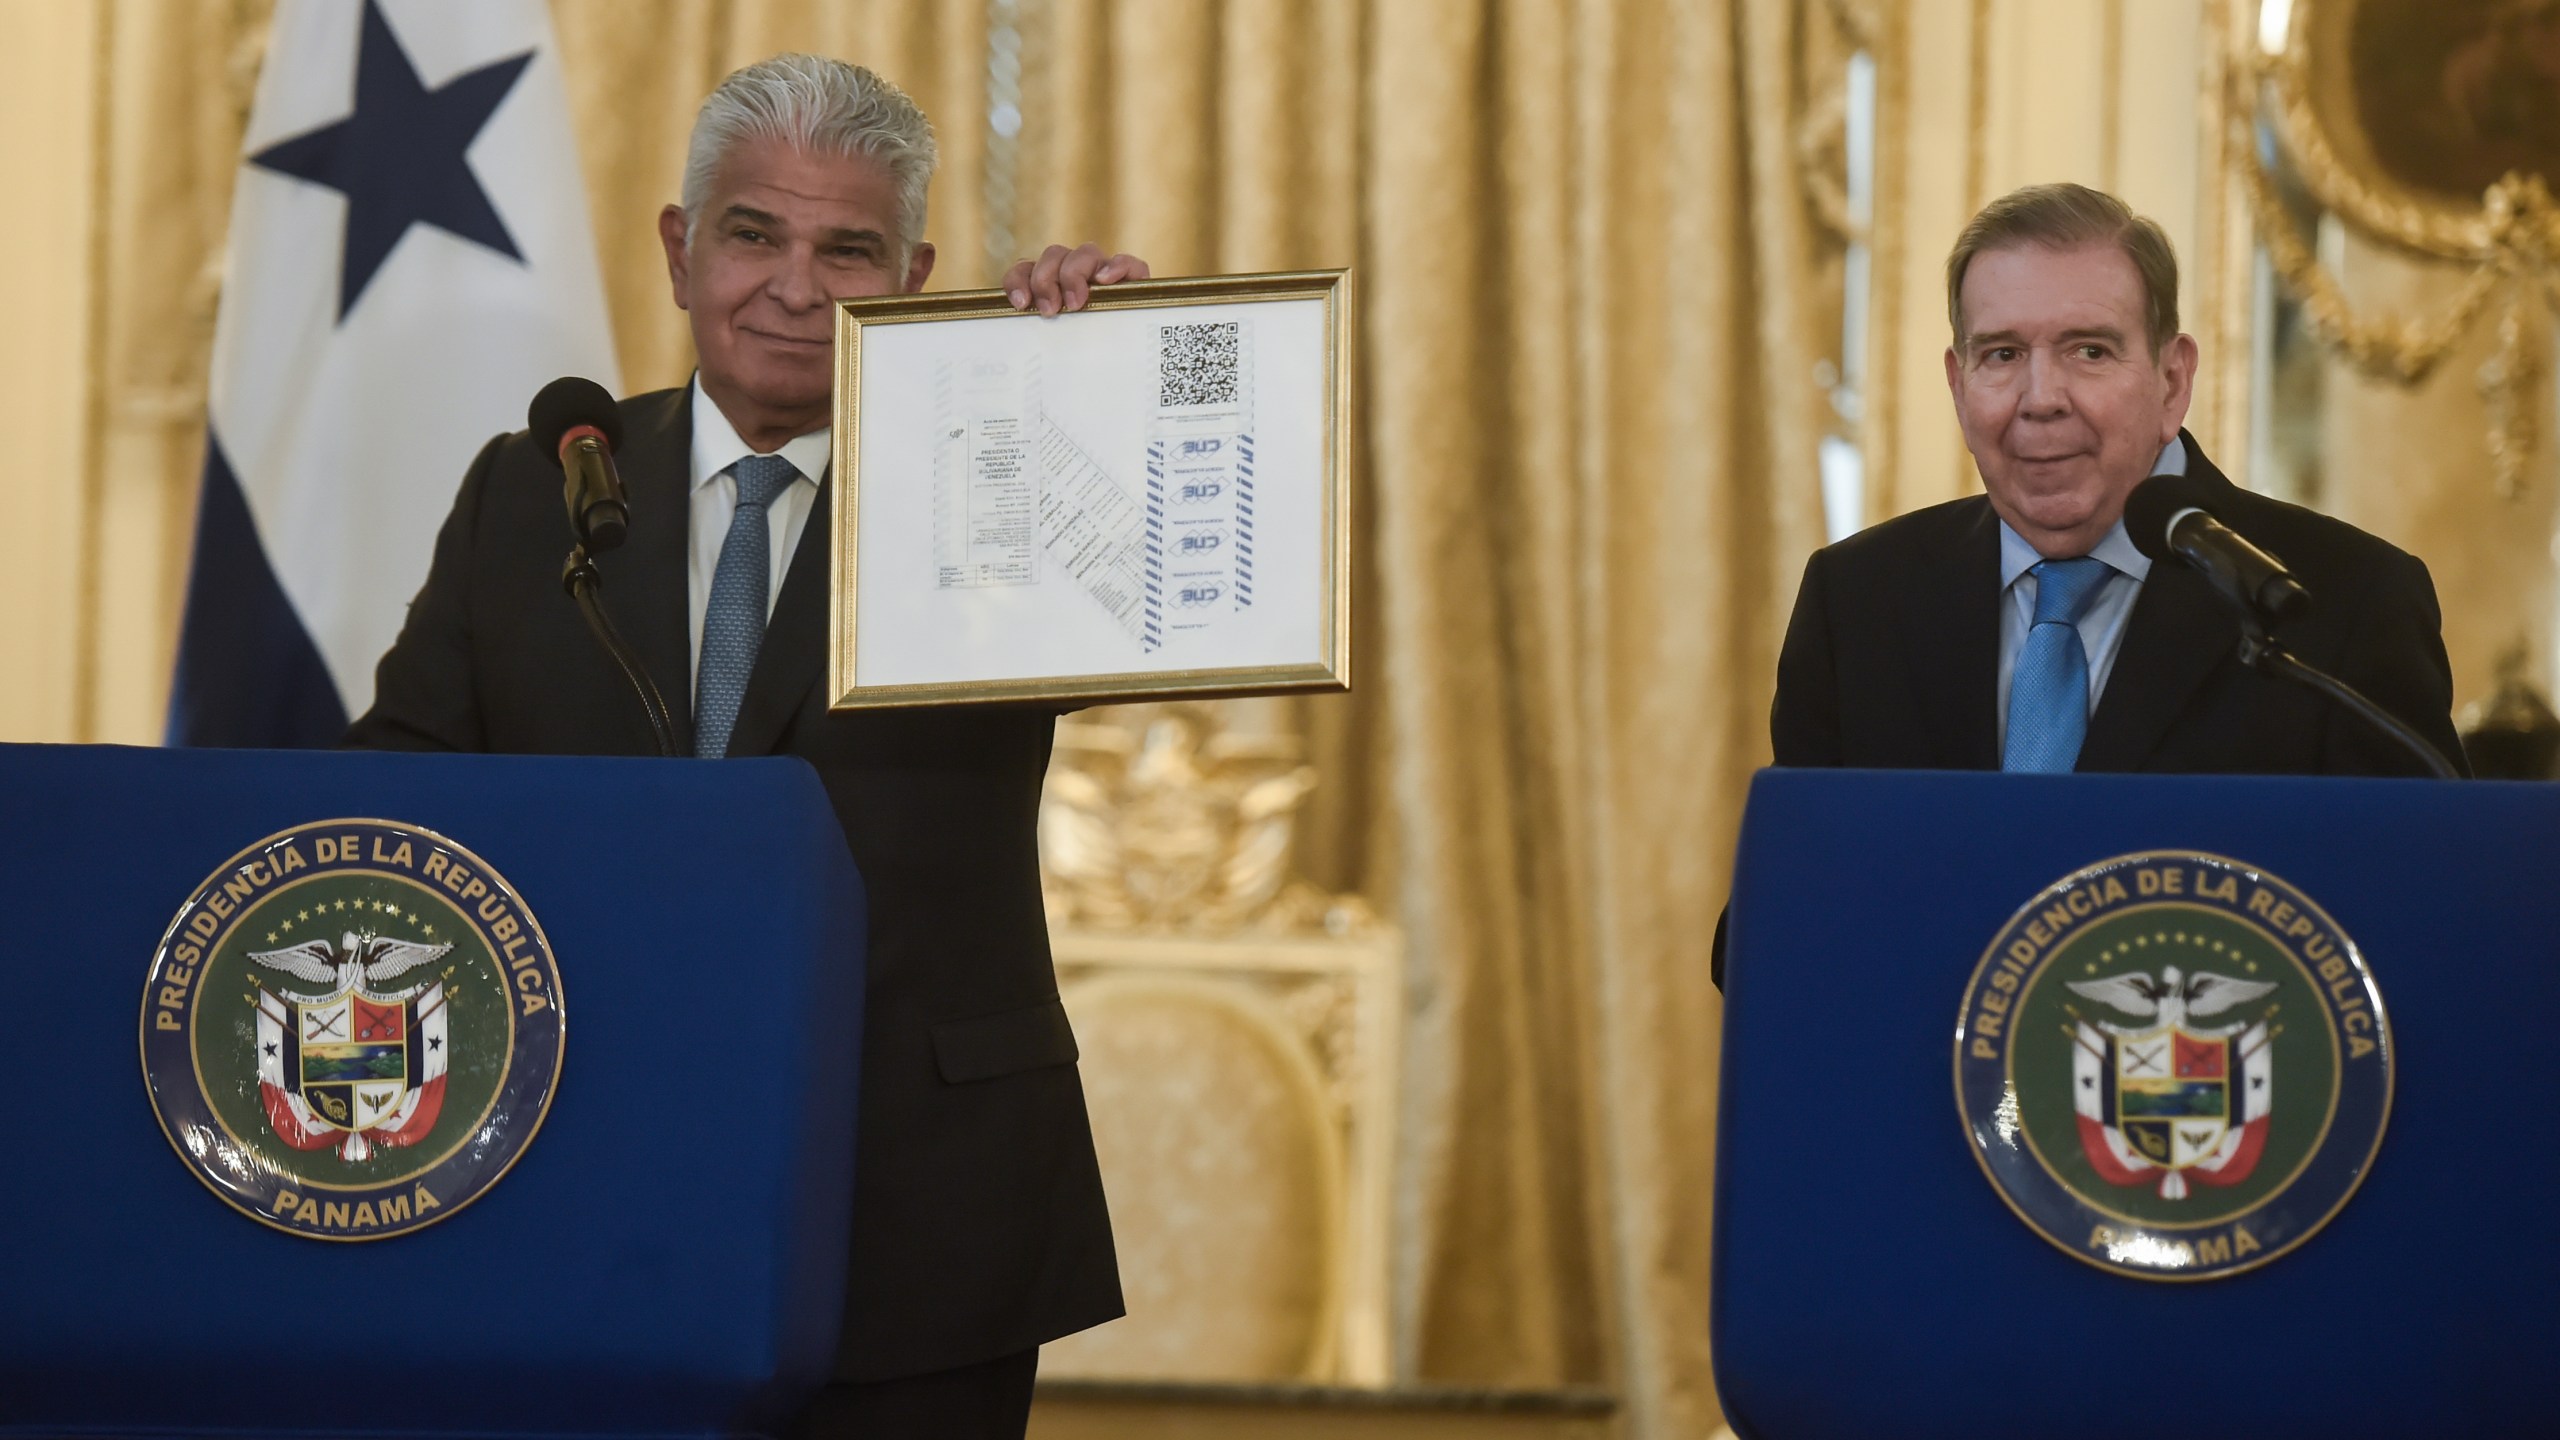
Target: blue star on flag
[400,156]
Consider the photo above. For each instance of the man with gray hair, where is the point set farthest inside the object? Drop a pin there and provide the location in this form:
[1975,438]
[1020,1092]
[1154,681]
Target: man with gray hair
[979,1226]
[2021,629]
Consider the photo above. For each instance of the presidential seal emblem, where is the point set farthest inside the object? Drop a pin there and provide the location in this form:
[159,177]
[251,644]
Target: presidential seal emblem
[352,1029]
[2173,1065]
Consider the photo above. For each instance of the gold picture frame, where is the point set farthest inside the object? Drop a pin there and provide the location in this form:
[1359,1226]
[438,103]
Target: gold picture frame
[2421,123]
[1287,551]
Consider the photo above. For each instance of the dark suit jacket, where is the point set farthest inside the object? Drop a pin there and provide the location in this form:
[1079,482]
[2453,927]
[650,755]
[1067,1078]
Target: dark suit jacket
[979,1227]
[1892,657]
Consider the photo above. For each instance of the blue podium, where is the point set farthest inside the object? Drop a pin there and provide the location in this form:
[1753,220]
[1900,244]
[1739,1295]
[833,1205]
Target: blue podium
[665,1255]
[1879,1266]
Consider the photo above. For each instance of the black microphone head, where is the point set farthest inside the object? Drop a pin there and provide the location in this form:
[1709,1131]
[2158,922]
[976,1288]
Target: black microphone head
[567,403]
[2148,510]
[608,525]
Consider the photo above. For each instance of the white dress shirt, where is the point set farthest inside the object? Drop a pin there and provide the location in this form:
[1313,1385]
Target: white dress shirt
[716,447]
[2101,626]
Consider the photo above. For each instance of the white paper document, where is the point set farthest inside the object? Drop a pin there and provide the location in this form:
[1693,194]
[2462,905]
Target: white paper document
[986,483]
[1010,485]
[1099,499]
[1091,529]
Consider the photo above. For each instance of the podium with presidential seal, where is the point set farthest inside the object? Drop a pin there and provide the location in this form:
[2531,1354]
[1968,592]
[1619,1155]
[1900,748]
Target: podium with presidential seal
[2103,1105]
[478,1095]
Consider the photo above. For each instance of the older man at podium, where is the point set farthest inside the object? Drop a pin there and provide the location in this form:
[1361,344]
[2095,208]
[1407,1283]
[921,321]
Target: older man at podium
[979,1225]
[2025,629]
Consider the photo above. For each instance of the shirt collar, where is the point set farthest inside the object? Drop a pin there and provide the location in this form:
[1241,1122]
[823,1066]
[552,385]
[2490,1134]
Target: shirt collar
[2116,547]
[716,445]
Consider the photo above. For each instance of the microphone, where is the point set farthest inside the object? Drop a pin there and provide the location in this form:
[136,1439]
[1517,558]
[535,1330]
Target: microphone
[2165,516]
[577,425]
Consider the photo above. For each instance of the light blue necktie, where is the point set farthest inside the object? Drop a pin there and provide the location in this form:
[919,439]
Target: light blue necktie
[741,594]
[2049,689]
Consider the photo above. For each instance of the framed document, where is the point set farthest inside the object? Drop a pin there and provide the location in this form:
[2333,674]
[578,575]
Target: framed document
[1143,499]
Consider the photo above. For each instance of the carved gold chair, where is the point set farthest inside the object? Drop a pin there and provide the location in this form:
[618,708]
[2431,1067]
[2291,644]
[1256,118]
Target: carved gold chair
[1239,1036]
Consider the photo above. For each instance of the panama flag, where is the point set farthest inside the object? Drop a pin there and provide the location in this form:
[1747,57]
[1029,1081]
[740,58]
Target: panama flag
[409,261]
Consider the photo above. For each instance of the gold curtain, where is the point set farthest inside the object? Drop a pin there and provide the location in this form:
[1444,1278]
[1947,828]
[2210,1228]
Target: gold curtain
[1588,478]
[1591,441]
[1588,475]
[143,104]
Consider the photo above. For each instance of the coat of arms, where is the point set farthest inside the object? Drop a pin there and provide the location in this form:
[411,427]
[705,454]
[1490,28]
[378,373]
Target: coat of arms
[356,1066]
[2169,1102]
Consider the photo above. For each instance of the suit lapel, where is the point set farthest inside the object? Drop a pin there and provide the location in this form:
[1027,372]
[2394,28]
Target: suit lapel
[795,639]
[2178,633]
[1954,610]
[645,581]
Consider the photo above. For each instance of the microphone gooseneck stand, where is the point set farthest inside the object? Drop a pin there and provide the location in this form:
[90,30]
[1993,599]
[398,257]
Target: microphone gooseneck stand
[2262,652]
[2171,514]
[578,576]
[573,422]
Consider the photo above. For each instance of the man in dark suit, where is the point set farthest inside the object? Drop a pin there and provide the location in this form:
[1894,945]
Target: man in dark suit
[2021,629]
[979,1226]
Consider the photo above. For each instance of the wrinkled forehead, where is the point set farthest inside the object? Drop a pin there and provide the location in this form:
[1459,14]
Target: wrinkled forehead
[2038,292]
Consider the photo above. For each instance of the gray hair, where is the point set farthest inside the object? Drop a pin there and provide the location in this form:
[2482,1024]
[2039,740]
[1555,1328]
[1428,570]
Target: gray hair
[2065,217]
[819,106]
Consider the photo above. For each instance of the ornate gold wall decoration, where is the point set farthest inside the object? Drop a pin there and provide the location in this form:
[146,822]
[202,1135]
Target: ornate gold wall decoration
[1827,33]
[2434,129]
[1845,132]
[1240,1033]
[1179,825]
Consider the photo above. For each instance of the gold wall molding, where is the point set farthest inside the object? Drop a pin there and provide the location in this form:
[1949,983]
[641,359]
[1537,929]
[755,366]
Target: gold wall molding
[2110,94]
[1822,101]
[1887,239]
[1865,400]
[100,378]
[2223,257]
[1977,106]
[2509,241]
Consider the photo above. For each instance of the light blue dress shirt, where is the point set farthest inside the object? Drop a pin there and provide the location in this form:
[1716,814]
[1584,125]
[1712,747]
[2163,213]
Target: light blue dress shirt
[2102,626]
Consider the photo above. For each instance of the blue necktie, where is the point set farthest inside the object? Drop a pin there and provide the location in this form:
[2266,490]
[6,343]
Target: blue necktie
[2049,689]
[741,593]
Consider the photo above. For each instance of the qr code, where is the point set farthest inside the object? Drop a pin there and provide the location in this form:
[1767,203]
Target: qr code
[1199,363]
